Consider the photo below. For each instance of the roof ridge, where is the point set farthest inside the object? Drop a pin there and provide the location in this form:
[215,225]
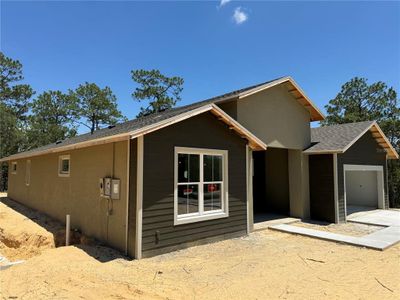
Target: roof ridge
[343,124]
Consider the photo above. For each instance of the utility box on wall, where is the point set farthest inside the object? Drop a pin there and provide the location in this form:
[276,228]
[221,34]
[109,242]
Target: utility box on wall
[109,187]
[115,187]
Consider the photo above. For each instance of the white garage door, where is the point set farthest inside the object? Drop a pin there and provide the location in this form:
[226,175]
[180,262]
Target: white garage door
[362,188]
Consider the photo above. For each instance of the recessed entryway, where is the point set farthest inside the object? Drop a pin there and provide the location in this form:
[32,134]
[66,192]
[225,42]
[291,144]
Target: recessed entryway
[270,185]
[364,188]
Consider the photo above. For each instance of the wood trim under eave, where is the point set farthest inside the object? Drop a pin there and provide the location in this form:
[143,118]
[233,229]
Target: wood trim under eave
[139,196]
[315,113]
[322,152]
[254,142]
[392,155]
[394,152]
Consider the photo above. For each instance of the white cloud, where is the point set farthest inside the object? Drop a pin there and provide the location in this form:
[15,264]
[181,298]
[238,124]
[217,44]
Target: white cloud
[223,2]
[239,16]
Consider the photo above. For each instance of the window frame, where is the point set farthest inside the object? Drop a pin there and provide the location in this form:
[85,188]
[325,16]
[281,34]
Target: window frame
[61,158]
[28,172]
[202,215]
[14,163]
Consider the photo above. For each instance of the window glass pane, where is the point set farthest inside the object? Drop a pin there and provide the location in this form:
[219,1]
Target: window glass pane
[65,165]
[188,199]
[212,168]
[212,196]
[188,168]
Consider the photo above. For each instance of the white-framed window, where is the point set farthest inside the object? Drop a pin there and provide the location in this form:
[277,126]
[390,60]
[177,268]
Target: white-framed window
[28,172]
[64,165]
[201,185]
[14,167]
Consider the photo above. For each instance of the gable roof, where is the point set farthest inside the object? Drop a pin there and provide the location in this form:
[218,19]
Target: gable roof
[128,129]
[339,138]
[287,81]
[141,126]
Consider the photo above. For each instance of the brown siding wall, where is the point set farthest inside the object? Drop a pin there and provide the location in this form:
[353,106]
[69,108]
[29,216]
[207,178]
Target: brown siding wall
[322,197]
[77,195]
[203,131]
[365,151]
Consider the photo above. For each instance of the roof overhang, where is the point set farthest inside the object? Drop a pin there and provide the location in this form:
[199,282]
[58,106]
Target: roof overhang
[254,143]
[94,142]
[377,134]
[381,139]
[294,89]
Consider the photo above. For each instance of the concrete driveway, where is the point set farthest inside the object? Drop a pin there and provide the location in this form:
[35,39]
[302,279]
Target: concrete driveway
[380,217]
[379,240]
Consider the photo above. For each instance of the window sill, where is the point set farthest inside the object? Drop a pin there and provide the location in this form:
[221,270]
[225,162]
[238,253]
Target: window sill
[204,217]
[63,175]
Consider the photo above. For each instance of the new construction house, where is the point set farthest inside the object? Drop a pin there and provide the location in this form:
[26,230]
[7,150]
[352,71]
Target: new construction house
[206,171]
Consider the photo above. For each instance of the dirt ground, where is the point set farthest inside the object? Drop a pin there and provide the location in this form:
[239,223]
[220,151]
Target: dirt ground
[263,265]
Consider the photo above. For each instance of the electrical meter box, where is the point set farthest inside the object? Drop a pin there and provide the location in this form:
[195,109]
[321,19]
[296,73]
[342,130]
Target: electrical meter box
[115,187]
[107,187]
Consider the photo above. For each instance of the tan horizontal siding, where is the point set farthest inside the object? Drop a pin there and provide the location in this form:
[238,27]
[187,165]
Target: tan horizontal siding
[78,194]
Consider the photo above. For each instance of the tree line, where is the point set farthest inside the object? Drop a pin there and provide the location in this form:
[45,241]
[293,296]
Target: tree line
[28,120]
[359,101]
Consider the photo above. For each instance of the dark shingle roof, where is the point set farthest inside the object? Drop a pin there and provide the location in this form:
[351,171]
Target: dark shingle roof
[138,123]
[121,128]
[335,138]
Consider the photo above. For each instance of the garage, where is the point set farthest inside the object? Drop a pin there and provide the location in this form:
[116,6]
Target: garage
[364,187]
[348,170]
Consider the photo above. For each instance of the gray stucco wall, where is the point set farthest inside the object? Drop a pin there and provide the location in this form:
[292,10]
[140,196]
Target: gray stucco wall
[365,151]
[203,131]
[275,117]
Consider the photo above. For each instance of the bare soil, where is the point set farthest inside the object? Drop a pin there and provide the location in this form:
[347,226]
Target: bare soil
[263,265]
[25,233]
[352,229]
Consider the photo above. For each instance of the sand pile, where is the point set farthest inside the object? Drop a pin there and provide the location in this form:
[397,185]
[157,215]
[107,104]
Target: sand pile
[20,237]
[263,265]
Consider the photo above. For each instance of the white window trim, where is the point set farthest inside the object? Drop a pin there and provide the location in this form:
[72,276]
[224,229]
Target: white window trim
[60,159]
[14,163]
[28,172]
[201,215]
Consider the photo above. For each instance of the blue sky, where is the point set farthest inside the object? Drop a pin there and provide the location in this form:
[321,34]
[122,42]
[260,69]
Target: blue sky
[214,48]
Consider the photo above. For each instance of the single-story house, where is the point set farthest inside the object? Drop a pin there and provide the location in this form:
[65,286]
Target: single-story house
[206,171]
